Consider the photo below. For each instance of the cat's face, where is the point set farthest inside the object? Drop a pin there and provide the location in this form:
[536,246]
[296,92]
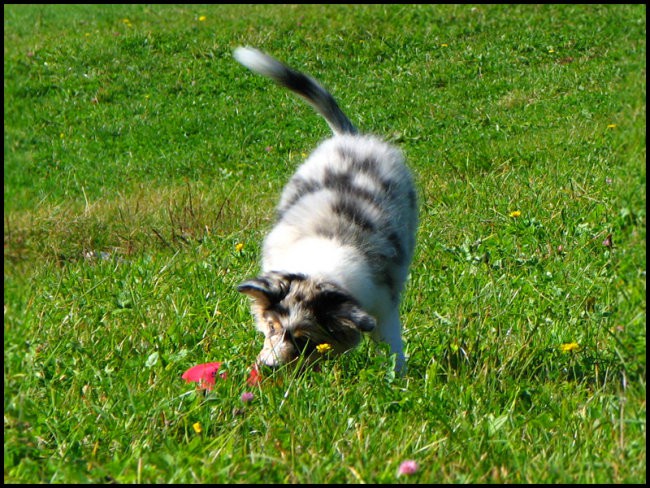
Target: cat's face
[297,314]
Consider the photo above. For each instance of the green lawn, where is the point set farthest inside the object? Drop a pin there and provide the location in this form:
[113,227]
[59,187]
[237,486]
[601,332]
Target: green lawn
[139,157]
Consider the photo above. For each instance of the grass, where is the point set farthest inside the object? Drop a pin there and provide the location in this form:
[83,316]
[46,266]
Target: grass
[138,154]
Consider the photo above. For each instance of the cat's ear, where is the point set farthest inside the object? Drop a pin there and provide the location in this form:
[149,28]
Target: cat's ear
[357,316]
[265,289]
[342,310]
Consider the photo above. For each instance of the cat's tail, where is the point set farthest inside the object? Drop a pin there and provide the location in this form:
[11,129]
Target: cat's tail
[299,83]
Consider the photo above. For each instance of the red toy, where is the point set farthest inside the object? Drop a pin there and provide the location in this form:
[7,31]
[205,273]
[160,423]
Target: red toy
[205,375]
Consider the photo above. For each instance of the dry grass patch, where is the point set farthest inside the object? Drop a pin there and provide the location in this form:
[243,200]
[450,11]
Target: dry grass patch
[143,219]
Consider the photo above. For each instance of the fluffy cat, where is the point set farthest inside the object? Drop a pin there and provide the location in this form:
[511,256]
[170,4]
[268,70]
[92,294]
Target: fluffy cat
[335,262]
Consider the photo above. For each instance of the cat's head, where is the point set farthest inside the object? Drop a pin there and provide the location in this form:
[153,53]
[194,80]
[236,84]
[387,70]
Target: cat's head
[297,314]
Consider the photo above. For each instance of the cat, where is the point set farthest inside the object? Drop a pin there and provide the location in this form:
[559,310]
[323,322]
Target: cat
[335,262]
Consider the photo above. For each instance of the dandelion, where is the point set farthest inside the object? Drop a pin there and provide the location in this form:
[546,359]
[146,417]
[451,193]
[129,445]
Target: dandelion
[407,467]
[323,348]
[611,126]
[515,214]
[202,18]
[444,45]
[239,246]
[247,396]
[570,346]
[197,427]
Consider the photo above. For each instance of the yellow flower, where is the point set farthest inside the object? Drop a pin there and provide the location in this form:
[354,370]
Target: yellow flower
[202,18]
[444,45]
[197,427]
[323,348]
[611,126]
[570,346]
[516,213]
[239,246]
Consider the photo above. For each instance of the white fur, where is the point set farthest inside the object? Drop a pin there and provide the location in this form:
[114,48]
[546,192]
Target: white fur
[323,259]
[257,61]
